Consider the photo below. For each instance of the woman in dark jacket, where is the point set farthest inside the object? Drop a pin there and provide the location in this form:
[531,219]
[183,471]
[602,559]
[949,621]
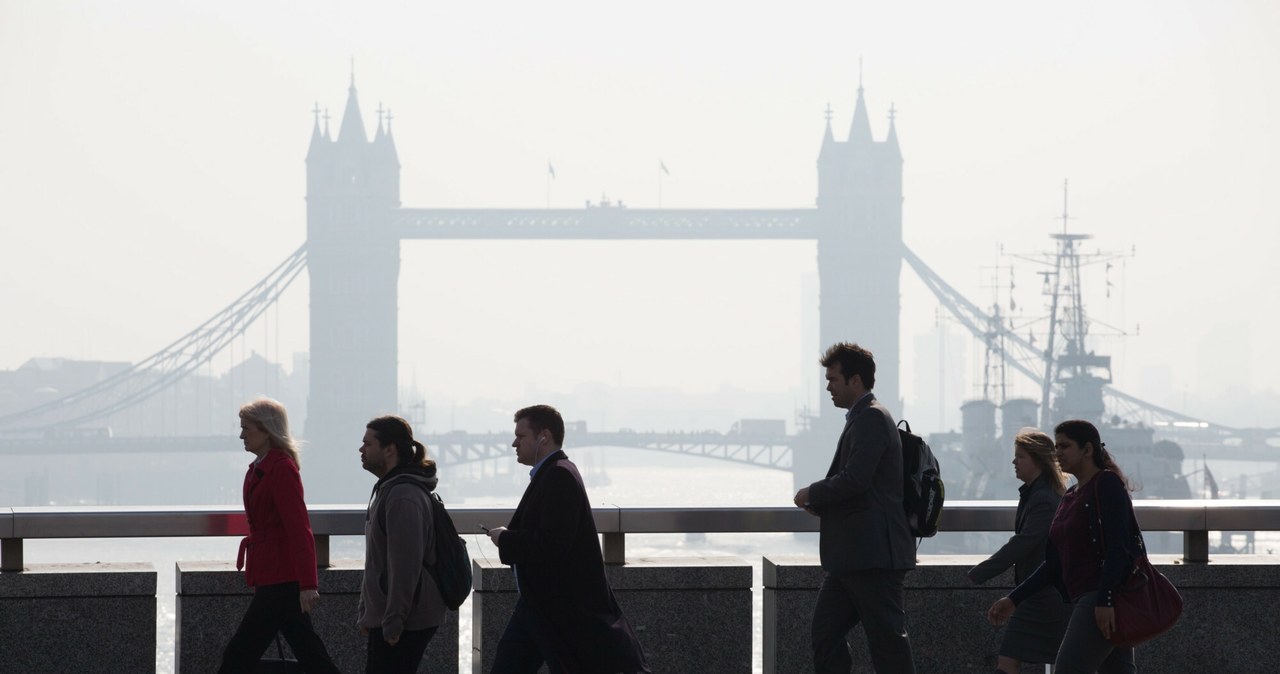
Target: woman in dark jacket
[1036,628]
[279,555]
[1092,545]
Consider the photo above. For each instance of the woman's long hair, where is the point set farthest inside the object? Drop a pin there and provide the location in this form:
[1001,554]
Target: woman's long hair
[1039,446]
[394,430]
[1083,432]
[269,416]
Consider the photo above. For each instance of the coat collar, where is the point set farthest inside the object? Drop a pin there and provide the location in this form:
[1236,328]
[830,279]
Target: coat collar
[550,459]
[273,458]
[862,403]
[1033,485]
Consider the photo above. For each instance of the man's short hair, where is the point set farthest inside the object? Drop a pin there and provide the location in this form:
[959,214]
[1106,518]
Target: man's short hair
[544,418]
[852,359]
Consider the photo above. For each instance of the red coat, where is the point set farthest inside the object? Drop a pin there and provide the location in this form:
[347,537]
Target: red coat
[280,547]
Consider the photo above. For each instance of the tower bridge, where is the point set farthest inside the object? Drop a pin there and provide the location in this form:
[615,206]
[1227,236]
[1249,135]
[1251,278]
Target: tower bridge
[354,212]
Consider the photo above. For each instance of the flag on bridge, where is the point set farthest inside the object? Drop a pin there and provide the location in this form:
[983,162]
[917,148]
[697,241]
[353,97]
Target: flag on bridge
[663,167]
[1211,483]
[551,170]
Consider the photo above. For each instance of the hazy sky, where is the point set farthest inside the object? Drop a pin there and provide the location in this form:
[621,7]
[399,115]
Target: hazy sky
[151,170]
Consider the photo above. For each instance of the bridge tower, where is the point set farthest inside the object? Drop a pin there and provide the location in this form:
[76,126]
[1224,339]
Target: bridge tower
[353,191]
[860,246]
[859,264]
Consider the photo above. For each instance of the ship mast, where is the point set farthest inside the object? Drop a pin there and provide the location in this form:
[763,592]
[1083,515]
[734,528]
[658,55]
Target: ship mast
[1076,373]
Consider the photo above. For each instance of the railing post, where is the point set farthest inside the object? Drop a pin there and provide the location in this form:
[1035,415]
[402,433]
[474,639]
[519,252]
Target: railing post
[615,547]
[1195,546]
[322,551]
[10,554]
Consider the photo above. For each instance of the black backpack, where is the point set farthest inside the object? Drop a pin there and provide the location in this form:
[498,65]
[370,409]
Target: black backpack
[922,489]
[452,570]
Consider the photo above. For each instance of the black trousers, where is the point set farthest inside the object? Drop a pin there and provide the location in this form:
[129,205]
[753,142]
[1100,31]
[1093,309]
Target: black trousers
[523,646]
[275,608]
[402,658]
[873,598]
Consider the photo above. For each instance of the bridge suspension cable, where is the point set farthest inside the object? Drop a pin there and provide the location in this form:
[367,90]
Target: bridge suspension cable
[164,368]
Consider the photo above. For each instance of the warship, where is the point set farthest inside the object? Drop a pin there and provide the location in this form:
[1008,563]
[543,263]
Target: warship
[1073,381]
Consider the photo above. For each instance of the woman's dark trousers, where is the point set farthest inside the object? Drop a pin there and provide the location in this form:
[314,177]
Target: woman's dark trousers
[275,608]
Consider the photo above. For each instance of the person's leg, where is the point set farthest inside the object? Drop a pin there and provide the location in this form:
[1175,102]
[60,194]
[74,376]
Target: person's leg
[307,645]
[834,615]
[406,655]
[1008,665]
[880,603]
[403,658]
[377,658]
[518,649]
[1119,662]
[256,631]
[297,629]
[1083,648]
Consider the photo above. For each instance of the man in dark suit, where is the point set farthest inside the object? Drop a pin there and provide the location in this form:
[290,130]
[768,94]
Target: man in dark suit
[566,614]
[865,545]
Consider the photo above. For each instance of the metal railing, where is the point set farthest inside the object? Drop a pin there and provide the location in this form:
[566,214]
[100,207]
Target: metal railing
[1195,519]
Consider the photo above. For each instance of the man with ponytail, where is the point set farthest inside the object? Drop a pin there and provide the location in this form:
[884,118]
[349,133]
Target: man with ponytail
[400,605]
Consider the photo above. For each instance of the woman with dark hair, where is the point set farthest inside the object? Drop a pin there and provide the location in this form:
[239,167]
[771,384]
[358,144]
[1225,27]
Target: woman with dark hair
[1035,629]
[1093,542]
[279,554]
[400,603]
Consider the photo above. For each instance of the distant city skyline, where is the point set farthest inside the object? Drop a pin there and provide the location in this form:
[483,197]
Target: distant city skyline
[146,187]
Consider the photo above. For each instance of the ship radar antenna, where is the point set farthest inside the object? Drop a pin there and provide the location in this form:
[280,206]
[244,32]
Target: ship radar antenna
[1065,217]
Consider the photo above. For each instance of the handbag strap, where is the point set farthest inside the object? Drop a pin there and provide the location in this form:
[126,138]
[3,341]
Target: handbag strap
[1133,519]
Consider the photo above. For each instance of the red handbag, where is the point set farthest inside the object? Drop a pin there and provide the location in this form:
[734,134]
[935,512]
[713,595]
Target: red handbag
[1146,603]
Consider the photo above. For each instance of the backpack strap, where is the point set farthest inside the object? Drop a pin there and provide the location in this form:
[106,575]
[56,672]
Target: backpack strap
[381,514]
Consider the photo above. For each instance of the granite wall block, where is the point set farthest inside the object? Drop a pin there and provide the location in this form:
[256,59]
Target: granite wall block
[212,598]
[690,614]
[76,617]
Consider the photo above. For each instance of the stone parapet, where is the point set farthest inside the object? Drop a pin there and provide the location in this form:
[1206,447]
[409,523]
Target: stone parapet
[946,615]
[75,617]
[1228,616]
[691,614]
[212,598]
[1226,624]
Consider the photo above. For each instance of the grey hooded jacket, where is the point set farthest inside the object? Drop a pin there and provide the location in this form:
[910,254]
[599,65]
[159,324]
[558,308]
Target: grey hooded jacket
[398,592]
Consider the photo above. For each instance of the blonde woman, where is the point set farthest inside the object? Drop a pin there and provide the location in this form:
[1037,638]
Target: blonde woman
[1035,629]
[279,555]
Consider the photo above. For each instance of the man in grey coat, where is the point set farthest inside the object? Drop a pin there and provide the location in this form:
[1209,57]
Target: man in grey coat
[865,545]
[400,605]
